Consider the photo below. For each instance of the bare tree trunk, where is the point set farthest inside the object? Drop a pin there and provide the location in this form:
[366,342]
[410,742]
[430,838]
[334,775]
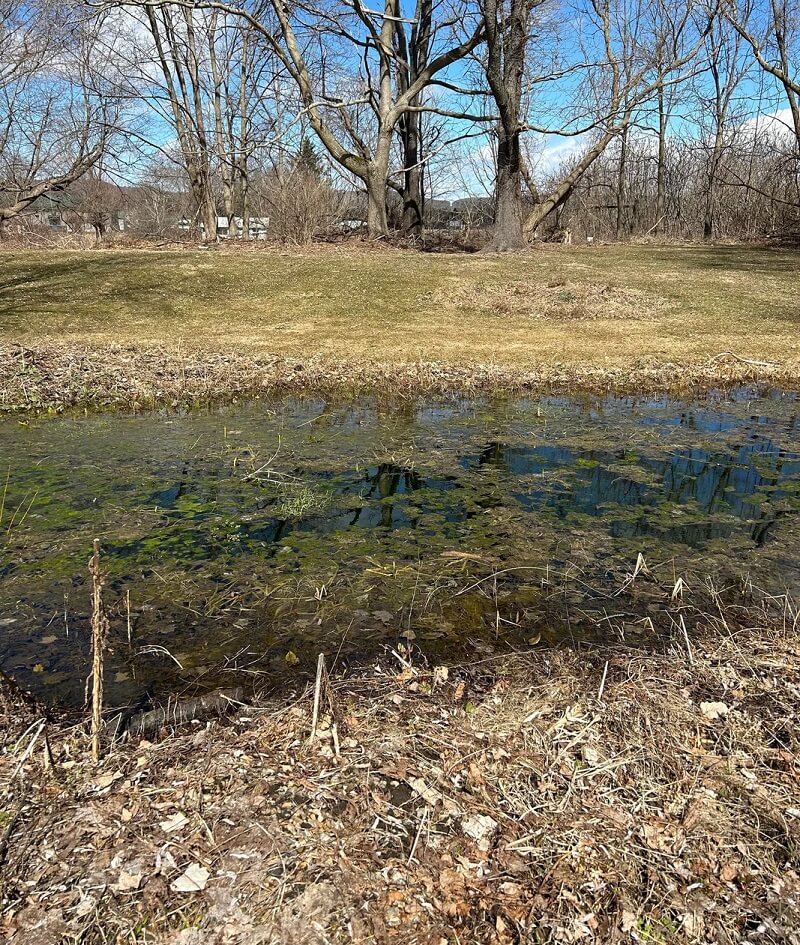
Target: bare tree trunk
[623,155]
[508,236]
[661,170]
[377,184]
[415,52]
[186,112]
[244,138]
[208,213]
[244,191]
[506,41]
[412,176]
[721,100]
[711,184]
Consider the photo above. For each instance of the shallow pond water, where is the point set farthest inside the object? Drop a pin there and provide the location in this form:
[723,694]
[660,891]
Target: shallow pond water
[240,541]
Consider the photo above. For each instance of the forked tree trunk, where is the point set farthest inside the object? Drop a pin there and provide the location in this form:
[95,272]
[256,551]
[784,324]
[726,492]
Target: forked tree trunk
[506,42]
[415,51]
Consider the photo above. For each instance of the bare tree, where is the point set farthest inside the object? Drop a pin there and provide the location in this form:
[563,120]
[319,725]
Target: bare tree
[96,201]
[725,73]
[629,50]
[178,56]
[508,27]
[205,75]
[772,30]
[413,42]
[57,112]
[367,155]
[356,111]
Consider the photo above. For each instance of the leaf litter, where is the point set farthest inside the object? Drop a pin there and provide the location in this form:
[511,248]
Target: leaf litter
[590,794]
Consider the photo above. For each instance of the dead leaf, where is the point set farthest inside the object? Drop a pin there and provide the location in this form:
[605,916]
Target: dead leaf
[175,822]
[590,755]
[194,879]
[105,780]
[714,710]
[128,881]
[480,828]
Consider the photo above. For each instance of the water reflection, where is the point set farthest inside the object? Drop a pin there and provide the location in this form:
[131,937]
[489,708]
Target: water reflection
[256,529]
[744,482]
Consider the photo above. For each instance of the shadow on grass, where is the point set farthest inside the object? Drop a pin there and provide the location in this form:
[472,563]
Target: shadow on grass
[81,286]
[748,259]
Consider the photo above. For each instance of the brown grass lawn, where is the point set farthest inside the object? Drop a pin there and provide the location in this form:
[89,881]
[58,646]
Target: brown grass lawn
[599,306]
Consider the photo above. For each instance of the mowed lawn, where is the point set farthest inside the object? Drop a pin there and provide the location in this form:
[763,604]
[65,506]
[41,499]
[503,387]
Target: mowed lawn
[592,305]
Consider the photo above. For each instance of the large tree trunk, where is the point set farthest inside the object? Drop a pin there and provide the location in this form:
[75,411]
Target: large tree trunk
[412,178]
[508,235]
[506,42]
[377,218]
[377,182]
[208,214]
[415,53]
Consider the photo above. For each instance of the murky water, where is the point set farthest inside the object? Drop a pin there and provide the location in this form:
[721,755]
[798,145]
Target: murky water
[249,538]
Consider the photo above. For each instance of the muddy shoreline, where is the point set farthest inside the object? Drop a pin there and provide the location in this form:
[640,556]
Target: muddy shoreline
[601,794]
[53,378]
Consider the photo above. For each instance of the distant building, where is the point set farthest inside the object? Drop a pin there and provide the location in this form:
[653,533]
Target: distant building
[63,212]
[50,211]
[259,227]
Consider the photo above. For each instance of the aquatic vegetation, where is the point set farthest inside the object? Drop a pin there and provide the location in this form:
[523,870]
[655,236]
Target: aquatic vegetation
[223,525]
[298,500]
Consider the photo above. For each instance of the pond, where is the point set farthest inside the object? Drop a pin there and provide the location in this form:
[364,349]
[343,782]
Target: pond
[241,541]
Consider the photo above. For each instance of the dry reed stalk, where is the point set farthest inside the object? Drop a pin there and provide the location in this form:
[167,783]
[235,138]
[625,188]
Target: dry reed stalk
[99,635]
[317,693]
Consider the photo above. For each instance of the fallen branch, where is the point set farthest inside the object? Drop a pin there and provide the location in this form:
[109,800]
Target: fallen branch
[203,707]
[736,357]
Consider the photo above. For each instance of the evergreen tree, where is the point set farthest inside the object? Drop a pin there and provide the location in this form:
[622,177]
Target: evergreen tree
[308,161]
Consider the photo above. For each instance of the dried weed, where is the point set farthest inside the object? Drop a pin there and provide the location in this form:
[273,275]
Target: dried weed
[559,301]
[54,378]
[560,795]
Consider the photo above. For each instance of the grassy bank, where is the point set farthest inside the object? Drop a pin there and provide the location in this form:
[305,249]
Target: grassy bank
[562,795]
[119,327]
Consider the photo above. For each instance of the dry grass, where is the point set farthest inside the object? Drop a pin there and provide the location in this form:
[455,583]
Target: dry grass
[59,376]
[558,301]
[557,311]
[598,795]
